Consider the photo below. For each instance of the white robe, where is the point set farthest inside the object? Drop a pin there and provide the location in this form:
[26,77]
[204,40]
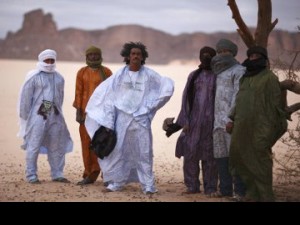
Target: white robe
[127,105]
[49,136]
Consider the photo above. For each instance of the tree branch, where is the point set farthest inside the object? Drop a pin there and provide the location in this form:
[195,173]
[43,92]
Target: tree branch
[292,108]
[292,64]
[290,85]
[243,28]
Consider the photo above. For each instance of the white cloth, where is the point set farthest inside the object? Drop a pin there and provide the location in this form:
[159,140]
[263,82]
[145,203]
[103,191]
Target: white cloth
[47,54]
[128,106]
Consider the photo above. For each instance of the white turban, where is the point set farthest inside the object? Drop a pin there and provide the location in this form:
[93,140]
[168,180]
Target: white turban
[47,54]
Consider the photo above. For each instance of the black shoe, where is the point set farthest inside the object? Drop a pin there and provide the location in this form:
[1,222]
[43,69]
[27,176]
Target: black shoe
[61,180]
[85,181]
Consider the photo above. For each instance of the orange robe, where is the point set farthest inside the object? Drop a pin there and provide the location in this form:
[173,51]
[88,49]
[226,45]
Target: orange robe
[86,82]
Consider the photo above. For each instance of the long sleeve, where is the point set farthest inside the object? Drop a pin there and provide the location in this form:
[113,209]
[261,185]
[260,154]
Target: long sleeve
[78,90]
[279,123]
[26,99]
[183,117]
[236,84]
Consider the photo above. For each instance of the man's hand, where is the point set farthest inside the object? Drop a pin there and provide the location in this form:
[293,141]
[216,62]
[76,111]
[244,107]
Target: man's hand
[170,127]
[167,122]
[229,127]
[80,118]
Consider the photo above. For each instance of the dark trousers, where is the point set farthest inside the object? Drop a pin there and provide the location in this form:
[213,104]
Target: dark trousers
[191,172]
[228,183]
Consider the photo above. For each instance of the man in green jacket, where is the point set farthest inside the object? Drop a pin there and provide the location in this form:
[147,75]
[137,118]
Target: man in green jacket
[259,121]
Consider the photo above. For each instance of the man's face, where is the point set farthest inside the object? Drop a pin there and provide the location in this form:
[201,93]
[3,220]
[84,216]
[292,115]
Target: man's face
[224,52]
[254,56]
[135,56]
[93,57]
[49,61]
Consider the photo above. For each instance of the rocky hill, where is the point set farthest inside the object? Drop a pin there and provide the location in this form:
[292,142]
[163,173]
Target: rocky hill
[39,31]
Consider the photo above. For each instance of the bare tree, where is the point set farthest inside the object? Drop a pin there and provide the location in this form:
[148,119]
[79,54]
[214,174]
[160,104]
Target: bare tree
[263,30]
[289,166]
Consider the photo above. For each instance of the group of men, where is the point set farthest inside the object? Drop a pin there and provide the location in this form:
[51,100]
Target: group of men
[231,116]
[125,103]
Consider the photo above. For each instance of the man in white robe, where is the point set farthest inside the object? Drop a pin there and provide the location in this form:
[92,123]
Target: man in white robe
[126,102]
[42,125]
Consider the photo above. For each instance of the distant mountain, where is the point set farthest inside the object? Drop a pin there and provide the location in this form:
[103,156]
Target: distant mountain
[39,31]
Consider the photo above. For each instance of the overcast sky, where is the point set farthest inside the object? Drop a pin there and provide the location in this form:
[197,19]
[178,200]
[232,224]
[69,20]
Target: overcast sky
[171,16]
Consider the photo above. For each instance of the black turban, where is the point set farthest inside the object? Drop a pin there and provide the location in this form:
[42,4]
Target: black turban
[258,50]
[208,50]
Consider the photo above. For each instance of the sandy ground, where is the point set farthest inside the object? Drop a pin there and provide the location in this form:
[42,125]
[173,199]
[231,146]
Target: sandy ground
[168,169]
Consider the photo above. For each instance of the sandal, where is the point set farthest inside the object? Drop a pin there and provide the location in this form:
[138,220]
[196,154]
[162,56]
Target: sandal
[61,179]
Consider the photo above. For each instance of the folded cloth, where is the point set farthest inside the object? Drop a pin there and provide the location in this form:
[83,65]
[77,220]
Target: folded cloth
[167,123]
[103,142]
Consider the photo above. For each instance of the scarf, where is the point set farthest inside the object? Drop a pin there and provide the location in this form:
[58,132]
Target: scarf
[47,54]
[255,66]
[220,63]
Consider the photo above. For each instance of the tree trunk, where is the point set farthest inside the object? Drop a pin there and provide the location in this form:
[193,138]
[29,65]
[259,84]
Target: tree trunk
[263,30]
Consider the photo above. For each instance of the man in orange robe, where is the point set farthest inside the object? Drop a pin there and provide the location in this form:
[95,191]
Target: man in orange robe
[88,78]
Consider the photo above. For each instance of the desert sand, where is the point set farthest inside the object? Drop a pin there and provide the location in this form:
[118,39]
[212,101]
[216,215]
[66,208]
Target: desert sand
[167,168]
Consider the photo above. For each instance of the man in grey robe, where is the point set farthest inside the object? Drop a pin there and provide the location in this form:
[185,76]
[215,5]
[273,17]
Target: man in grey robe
[229,72]
[42,125]
[126,102]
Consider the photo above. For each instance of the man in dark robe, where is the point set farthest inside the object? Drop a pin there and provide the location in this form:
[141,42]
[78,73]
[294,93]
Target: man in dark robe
[196,117]
[259,121]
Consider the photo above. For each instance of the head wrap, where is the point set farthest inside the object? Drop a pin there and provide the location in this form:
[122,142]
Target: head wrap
[258,50]
[47,54]
[45,67]
[225,44]
[95,50]
[255,66]
[206,59]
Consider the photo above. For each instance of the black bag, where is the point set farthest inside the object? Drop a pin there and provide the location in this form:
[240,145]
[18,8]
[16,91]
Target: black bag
[103,142]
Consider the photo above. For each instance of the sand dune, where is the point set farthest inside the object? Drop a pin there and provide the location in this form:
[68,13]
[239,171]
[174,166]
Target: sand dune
[168,169]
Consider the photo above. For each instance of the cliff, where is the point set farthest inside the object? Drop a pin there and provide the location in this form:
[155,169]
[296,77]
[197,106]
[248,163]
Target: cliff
[39,31]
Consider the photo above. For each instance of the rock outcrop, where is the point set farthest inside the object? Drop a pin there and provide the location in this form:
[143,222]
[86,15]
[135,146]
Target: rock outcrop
[39,31]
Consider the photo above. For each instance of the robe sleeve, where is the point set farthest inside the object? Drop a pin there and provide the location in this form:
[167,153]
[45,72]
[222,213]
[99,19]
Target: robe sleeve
[26,99]
[162,89]
[236,76]
[183,119]
[78,90]
[100,109]
[61,92]
[277,107]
